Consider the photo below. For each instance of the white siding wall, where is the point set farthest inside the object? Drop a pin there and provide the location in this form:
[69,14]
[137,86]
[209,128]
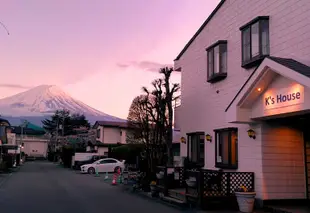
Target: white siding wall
[203,109]
[177,114]
[35,148]
[112,135]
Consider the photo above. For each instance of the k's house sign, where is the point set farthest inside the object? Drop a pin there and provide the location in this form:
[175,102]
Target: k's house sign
[276,98]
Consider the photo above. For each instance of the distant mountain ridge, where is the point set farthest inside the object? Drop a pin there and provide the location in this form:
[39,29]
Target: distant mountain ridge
[42,101]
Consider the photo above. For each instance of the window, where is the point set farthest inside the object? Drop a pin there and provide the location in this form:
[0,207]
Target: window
[121,132]
[98,133]
[255,41]
[196,148]
[110,161]
[226,148]
[104,162]
[217,61]
[176,149]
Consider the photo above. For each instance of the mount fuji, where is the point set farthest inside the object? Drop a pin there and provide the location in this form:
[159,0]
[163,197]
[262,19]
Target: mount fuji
[42,101]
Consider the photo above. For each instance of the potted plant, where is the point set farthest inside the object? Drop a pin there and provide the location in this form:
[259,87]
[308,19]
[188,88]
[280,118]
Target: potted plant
[153,185]
[191,181]
[153,189]
[245,199]
[160,175]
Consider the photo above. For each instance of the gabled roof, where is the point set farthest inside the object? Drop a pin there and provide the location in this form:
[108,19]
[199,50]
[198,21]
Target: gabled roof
[111,124]
[34,127]
[27,131]
[200,30]
[293,64]
[286,62]
[4,122]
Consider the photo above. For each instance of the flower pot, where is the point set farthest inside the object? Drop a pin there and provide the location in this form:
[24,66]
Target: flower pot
[245,201]
[160,175]
[191,183]
[153,188]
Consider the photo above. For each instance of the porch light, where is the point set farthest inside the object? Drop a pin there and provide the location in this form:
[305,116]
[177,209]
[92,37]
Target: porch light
[259,89]
[251,133]
[208,138]
[183,140]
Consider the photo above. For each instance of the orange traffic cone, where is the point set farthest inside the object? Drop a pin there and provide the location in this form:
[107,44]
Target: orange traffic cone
[114,179]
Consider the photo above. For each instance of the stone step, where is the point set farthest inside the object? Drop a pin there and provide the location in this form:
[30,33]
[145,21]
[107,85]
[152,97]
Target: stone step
[177,195]
[173,200]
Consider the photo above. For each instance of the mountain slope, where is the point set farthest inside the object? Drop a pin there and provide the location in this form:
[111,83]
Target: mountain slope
[44,100]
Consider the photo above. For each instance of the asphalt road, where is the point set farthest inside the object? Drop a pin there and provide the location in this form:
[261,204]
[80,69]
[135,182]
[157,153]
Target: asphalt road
[44,187]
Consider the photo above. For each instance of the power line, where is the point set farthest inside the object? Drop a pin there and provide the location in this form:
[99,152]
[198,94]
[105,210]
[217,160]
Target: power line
[6,29]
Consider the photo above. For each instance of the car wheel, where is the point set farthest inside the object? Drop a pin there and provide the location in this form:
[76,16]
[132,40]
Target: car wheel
[91,170]
[117,168]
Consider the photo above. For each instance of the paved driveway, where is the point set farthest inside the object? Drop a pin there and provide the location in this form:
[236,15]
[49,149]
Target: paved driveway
[44,187]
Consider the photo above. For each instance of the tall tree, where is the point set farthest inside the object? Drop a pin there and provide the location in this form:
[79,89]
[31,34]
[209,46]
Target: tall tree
[64,123]
[155,109]
[170,91]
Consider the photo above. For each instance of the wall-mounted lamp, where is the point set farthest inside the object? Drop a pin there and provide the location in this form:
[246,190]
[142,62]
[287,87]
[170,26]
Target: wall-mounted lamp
[251,133]
[183,140]
[208,137]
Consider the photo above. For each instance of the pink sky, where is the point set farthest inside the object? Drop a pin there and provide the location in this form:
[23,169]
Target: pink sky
[101,51]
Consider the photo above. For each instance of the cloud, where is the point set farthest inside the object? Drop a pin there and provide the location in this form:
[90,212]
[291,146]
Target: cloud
[16,86]
[144,65]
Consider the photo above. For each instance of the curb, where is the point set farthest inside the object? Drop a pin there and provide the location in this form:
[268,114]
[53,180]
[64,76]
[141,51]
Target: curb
[5,179]
[9,175]
[157,200]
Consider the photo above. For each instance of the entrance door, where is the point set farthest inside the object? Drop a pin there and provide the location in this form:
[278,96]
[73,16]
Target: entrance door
[307,163]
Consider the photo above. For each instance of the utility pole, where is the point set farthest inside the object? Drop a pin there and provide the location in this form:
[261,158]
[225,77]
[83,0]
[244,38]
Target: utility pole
[56,139]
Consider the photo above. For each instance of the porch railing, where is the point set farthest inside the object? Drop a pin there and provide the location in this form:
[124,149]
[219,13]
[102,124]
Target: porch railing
[216,185]
[209,183]
[224,184]
[174,177]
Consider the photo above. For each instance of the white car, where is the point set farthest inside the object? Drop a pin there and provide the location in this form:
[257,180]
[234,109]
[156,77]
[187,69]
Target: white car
[103,165]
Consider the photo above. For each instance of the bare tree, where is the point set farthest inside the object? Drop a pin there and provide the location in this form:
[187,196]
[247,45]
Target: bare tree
[170,91]
[151,116]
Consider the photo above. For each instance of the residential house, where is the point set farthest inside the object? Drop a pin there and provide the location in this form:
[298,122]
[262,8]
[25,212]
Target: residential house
[8,145]
[245,86]
[33,140]
[110,134]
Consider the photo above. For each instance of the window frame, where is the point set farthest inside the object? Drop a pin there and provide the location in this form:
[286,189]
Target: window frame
[98,133]
[221,74]
[114,161]
[254,61]
[199,162]
[229,165]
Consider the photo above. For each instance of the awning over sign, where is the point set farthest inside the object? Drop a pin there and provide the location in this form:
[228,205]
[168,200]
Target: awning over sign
[277,87]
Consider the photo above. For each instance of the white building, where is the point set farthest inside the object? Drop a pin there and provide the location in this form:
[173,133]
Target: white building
[244,69]
[34,142]
[110,133]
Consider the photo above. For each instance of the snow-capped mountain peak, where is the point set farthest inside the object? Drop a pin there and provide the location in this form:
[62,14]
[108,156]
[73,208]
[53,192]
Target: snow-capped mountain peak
[45,100]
